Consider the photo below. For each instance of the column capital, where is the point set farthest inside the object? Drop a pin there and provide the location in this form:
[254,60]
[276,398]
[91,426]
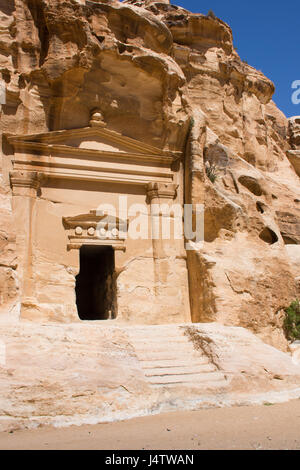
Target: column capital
[161,191]
[25,182]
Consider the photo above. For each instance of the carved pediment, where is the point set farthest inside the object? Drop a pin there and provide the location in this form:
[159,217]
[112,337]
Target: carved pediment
[94,154]
[89,138]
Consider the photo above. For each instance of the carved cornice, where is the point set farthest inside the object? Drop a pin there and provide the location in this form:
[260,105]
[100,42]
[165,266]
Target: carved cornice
[161,191]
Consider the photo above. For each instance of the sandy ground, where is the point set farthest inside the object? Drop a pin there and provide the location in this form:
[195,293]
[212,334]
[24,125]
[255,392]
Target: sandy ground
[254,427]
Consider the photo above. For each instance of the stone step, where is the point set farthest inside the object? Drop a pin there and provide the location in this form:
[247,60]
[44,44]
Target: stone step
[178,370]
[217,386]
[182,349]
[158,363]
[162,345]
[145,358]
[193,378]
[168,359]
[166,342]
[167,355]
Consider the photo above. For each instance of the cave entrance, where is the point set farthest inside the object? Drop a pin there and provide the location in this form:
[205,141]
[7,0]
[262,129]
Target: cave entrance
[95,283]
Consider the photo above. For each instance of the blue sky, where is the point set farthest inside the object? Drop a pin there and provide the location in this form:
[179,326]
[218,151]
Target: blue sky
[267,35]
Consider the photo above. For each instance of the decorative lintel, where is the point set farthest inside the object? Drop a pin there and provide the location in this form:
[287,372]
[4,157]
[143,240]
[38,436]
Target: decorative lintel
[93,219]
[96,228]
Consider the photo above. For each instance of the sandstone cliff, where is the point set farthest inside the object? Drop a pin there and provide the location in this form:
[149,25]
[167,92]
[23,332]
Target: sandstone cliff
[172,79]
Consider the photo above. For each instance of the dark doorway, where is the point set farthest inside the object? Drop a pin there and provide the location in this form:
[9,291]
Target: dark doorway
[95,286]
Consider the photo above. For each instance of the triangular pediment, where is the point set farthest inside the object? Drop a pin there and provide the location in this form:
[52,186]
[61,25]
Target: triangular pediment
[92,154]
[86,139]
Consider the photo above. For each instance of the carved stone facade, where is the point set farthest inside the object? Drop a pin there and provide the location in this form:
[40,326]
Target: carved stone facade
[60,181]
[143,101]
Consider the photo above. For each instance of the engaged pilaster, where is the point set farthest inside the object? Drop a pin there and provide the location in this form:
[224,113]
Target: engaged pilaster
[25,186]
[170,273]
[166,217]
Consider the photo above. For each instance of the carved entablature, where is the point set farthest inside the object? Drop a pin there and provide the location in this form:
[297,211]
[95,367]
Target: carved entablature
[93,153]
[96,228]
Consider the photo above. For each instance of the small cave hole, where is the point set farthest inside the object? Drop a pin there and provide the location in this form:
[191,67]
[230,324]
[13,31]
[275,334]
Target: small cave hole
[22,83]
[260,207]
[6,76]
[251,184]
[121,48]
[268,236]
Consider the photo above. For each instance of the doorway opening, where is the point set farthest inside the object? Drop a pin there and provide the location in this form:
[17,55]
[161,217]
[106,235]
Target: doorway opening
[95,283]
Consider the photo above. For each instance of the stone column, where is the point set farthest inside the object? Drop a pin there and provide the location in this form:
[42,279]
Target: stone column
[25,185]
[159,195]
[169,258]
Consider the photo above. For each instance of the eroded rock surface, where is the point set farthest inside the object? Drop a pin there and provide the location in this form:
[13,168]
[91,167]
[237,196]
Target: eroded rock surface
[85,374]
